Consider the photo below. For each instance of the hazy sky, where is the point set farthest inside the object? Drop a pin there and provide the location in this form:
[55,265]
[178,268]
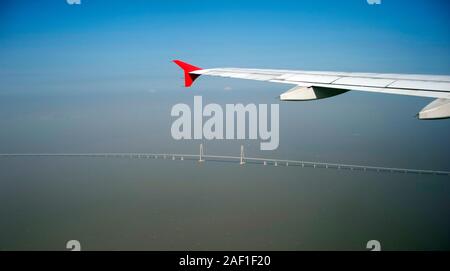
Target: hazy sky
[71,61]
[101,43]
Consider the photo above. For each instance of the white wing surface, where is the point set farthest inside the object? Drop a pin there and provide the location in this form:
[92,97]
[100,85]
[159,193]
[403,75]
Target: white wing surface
[312,85]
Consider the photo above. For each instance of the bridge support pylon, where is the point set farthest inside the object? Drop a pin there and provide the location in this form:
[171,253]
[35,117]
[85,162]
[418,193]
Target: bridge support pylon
[200,159]
[242,162]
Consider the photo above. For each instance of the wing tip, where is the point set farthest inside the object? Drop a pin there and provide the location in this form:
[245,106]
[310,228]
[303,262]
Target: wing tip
[187,68]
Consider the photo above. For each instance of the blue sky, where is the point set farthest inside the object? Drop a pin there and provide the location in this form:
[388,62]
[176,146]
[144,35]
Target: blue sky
[45,42]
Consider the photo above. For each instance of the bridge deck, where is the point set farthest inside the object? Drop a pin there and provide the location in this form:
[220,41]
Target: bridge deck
[256,160]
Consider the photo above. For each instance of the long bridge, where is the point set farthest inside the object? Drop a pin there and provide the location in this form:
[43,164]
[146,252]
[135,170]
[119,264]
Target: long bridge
[242,160]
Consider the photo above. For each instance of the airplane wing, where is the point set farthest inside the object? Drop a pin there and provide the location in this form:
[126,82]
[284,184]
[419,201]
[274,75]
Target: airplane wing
[313,85]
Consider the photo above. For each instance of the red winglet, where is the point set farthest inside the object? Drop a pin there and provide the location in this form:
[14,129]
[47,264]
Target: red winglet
[187,68]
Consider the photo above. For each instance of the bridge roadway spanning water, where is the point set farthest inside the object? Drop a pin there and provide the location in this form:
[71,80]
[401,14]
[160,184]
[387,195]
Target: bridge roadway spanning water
[242,159]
